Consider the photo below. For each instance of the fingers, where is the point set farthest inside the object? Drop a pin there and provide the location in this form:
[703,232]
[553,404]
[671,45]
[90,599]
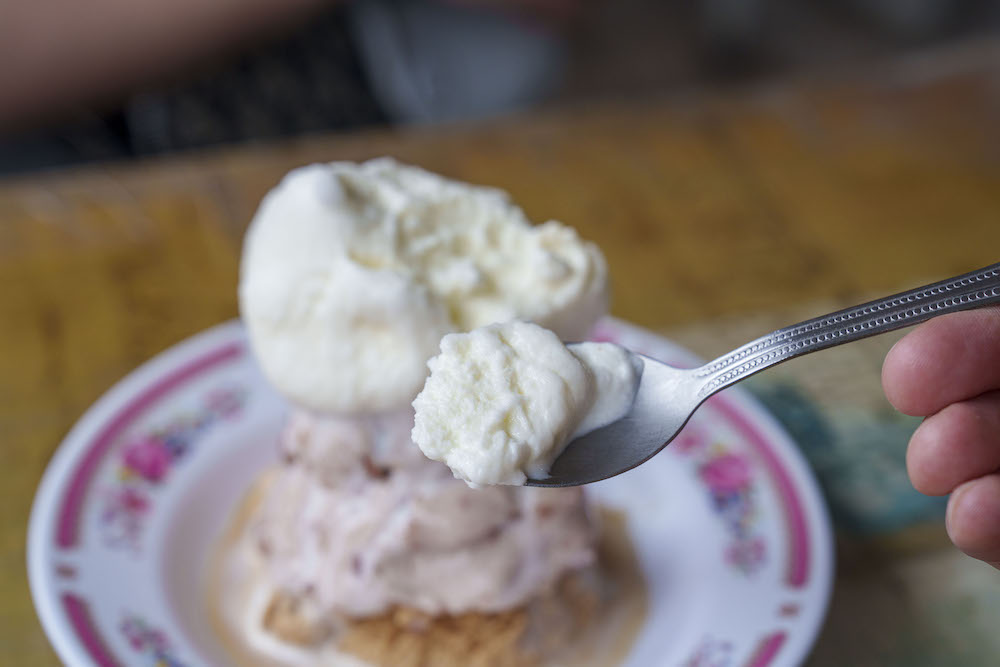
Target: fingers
[958,444]
[944,360]
[973,519]
[949,368]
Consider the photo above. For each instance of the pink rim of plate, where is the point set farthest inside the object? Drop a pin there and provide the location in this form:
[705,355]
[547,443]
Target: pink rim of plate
[66,537]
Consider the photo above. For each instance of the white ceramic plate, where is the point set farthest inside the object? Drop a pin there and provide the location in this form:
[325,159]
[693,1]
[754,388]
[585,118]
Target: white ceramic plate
[730,529]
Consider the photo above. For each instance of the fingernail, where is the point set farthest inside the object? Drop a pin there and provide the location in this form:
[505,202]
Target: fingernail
[893,347]
[953,502]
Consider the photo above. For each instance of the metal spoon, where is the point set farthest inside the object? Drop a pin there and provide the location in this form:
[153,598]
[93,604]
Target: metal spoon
[667,397]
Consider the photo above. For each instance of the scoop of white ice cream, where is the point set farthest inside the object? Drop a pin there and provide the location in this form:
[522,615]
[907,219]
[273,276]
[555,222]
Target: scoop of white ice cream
[351,273]
[503,401]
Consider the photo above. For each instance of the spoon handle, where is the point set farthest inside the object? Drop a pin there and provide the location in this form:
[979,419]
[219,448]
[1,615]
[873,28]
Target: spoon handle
[971,290]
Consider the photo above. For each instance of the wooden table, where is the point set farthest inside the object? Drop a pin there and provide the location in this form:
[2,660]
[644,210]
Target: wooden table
[707,205]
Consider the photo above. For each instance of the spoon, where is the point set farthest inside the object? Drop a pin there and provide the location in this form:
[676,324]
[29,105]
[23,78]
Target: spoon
[667,396]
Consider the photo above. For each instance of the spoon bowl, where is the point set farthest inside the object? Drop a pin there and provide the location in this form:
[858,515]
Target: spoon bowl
[664,402]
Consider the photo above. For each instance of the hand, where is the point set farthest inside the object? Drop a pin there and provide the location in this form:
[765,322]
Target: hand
[948,370]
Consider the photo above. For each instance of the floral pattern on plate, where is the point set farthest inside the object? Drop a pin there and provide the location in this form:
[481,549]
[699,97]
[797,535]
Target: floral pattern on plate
[148,641]
[729,479]
[146,460]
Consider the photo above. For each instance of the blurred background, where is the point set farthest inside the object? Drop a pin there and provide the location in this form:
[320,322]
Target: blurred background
[744,164]
[119,79]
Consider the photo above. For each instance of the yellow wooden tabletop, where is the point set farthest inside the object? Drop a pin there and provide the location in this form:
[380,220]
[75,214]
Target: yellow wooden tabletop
[705,205]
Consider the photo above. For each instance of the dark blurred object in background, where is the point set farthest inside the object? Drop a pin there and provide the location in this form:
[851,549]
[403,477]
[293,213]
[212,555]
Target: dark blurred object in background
[307,82]
[372,62]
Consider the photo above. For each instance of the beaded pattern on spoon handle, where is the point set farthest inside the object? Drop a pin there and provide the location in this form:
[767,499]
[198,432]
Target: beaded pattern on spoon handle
[971,290]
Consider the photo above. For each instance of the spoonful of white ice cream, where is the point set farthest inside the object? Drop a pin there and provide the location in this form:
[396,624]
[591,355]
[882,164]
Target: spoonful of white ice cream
[503,401]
